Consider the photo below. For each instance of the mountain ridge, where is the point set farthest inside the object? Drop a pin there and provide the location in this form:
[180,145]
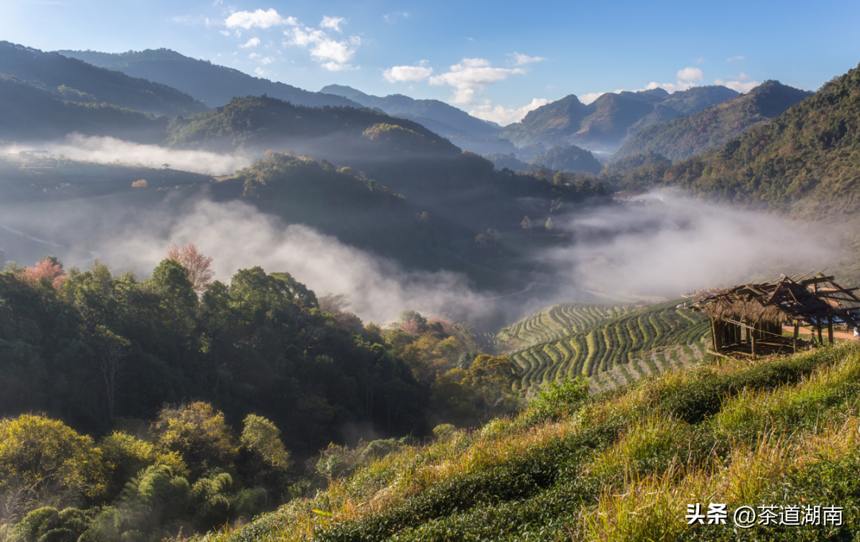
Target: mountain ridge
[687,135]
[78,81]
[215,85]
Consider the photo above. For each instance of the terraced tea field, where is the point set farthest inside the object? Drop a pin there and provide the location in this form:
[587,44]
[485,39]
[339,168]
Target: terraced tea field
[610,344]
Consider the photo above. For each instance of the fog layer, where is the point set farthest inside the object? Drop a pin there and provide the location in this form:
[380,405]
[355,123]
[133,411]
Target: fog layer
[668,244]
[109,149]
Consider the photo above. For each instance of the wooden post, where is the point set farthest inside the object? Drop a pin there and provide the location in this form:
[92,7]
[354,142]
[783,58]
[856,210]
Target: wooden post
[751,335]
[718,335]
[794,340]
[713,333]
[830,329]
[818,325]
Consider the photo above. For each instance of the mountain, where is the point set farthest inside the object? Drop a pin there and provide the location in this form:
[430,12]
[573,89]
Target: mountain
[215,85]
[803,161]
[260,123]
[555,121]
[436,116]
[77,81]
[33,114]
[688,135]
[570,158]
[606,123]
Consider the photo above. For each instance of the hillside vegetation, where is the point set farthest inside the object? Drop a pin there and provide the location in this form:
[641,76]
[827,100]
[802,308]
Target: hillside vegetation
[78,81]
[570,158]
[689,135]
[615,344]
[31,114]
[262,122]
[621,467]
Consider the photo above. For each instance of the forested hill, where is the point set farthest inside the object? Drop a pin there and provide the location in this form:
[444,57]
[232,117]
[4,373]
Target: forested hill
[804,161]
[689,135]
[77,81]
[215,85]
[30,114]
[334,132]
[605,123]
[570,158]
[437,116]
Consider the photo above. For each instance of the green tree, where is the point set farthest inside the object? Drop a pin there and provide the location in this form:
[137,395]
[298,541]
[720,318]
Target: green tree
[527,225]
[199,433]
[261,436]
[37,452]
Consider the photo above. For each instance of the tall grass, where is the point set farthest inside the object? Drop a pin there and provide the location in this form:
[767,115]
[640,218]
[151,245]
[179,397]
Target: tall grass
[621,466]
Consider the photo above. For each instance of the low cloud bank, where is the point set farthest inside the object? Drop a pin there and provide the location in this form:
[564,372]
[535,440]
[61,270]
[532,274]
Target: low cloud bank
[237,236]
[109,149]
[672,244]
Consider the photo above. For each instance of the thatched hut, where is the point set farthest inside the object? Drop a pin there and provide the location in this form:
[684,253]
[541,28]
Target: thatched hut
[748,319]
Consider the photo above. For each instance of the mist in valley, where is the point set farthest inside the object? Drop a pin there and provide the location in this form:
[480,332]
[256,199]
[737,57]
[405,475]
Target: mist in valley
[110,150]
[659,247]
[665,244]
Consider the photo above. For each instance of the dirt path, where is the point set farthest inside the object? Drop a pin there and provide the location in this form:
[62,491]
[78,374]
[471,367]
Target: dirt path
[844,335]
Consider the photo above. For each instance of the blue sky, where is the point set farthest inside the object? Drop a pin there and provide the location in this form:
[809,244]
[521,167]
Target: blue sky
[494,59]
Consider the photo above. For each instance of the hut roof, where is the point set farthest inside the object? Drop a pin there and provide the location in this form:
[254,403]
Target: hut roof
[806,299]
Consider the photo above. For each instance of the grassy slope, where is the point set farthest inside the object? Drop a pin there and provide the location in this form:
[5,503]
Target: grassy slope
[623,466]
[615,344]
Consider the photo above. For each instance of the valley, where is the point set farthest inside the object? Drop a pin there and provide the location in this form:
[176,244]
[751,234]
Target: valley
[235,309]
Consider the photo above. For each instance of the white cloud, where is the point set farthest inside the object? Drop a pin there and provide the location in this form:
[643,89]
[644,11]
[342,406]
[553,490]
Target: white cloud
[470,75]
[224,32]
[738,86]
[407,73]
[335,67]
[736,58]
[525,59]
[590,97]
[392,17]
[690,74]
[334,55]
[266,61]
[253,42]
[668,87]
[259,18]
[505,116]
[333,23]
[260,71]
[252,56]
[700,60]
[742,77]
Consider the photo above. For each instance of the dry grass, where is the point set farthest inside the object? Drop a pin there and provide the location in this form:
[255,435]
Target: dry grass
[648,473]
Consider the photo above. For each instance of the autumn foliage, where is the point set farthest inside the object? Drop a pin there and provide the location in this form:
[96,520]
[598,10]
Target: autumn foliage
[47,270]
[197,264]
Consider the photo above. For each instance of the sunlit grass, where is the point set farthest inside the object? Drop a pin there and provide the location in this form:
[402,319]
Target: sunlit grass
[645,465]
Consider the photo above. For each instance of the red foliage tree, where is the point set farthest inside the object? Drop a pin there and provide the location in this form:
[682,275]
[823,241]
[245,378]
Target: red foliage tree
[197,264]
[47,270]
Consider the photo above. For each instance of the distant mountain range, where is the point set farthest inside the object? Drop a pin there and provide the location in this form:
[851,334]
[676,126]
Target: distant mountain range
[689,135]
[77,81]
[804,161]
[437,116]
[30,113]
[213,84]
[606,123]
